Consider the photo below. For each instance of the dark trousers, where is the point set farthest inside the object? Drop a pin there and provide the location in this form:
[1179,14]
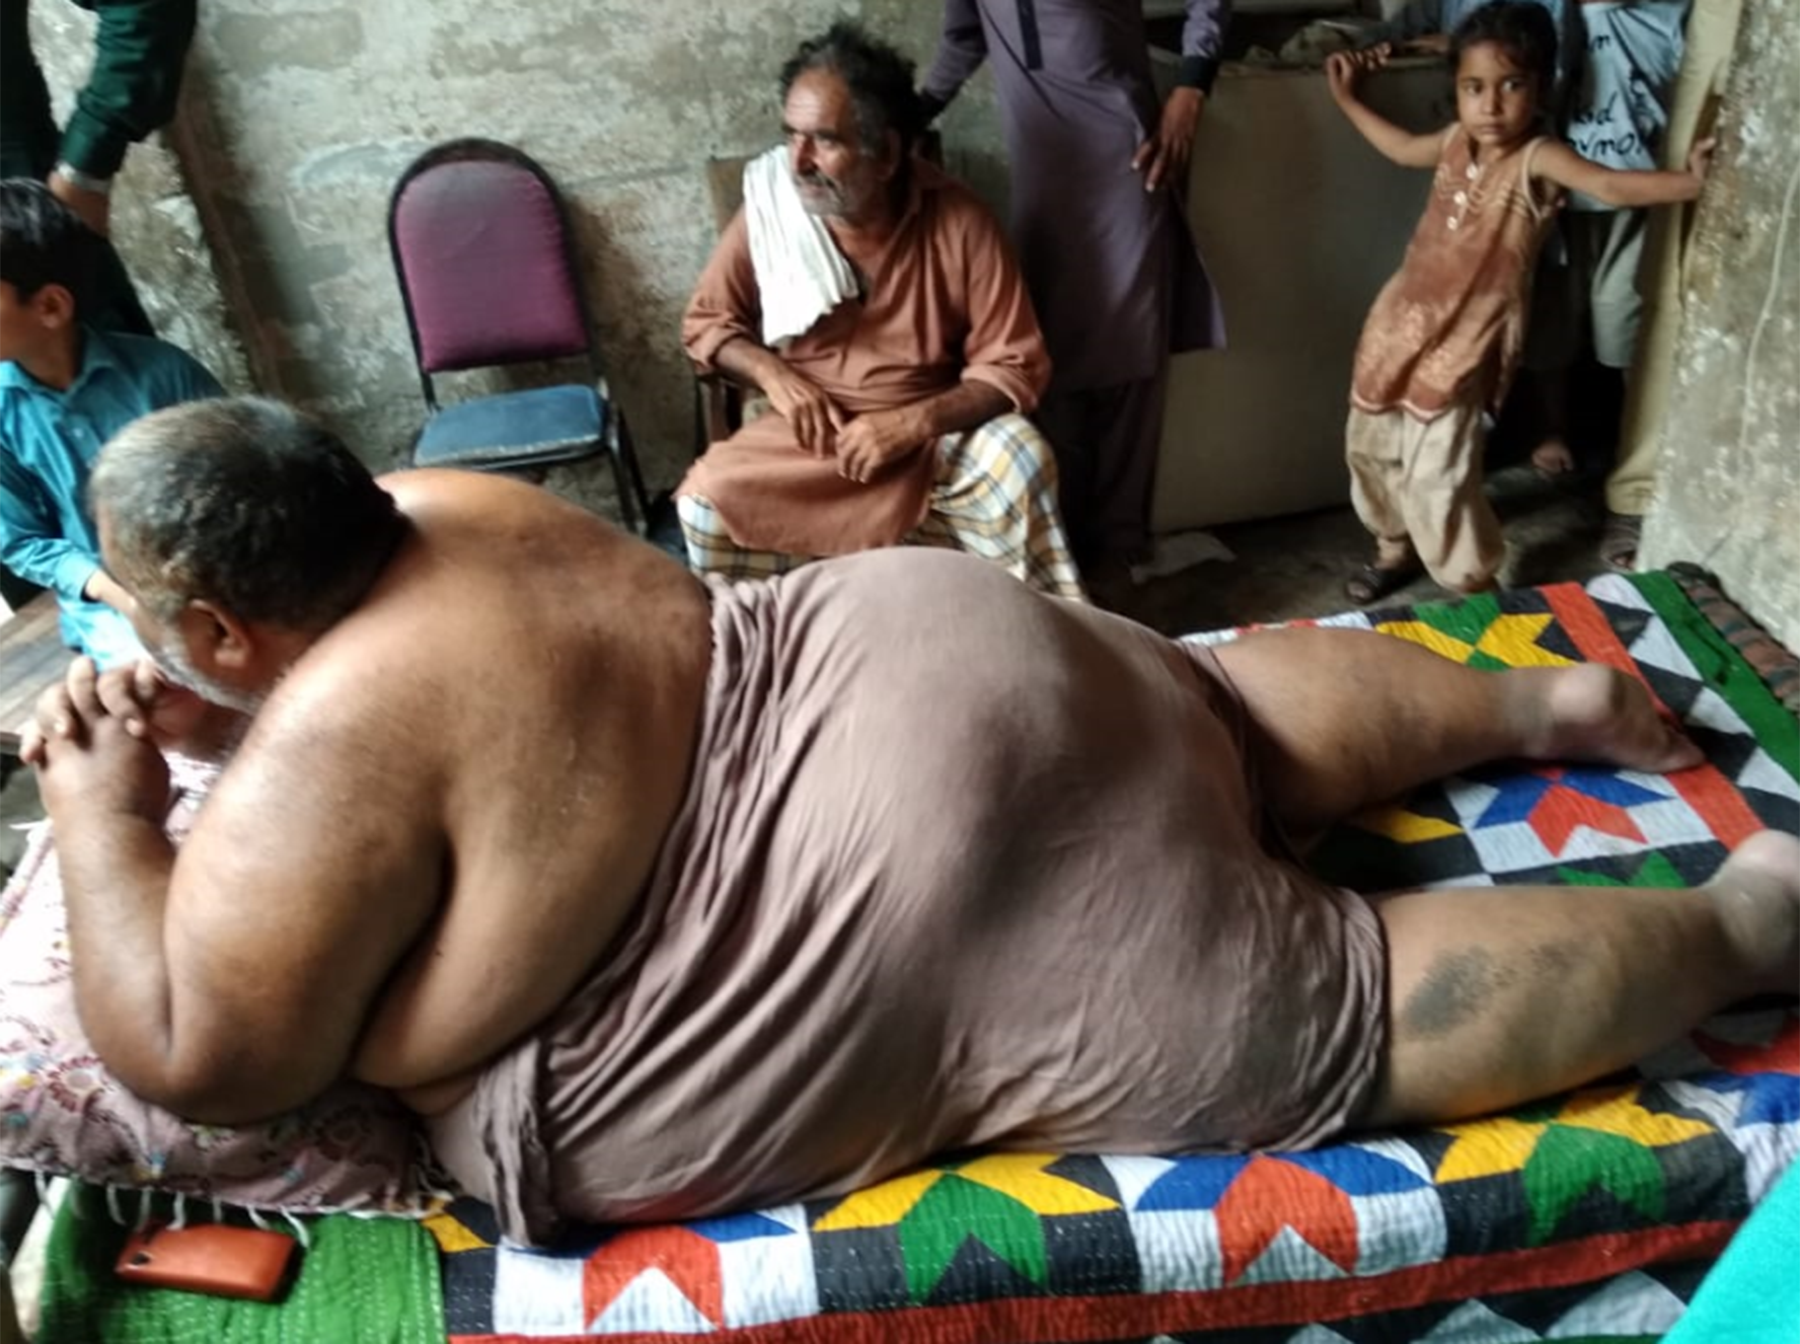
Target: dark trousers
[1106,441]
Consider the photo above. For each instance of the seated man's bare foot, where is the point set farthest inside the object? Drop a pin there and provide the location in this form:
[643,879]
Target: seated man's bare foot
[1596,713]
[1758,894]
[1552,459]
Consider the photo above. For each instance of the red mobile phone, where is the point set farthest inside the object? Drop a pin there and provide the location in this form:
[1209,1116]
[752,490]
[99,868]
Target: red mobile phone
[209,1258]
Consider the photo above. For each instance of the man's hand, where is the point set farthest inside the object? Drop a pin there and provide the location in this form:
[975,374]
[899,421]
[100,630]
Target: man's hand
[871,443]
[93,208]
[150,706]
[815,417]
[85,756]
[1164,157]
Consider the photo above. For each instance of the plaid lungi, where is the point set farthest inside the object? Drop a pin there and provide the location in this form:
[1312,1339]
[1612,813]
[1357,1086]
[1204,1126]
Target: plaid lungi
[994,495]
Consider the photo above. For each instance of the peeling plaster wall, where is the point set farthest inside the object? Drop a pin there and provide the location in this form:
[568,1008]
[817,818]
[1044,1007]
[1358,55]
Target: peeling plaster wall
[1729,463]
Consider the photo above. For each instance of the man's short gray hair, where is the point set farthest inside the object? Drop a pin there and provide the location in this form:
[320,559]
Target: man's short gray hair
[244,502]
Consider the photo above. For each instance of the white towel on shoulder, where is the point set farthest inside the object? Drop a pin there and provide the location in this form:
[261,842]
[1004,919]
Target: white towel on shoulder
[800,273]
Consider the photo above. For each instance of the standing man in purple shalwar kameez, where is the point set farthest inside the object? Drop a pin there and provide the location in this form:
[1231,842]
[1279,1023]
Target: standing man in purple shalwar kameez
[1098,177]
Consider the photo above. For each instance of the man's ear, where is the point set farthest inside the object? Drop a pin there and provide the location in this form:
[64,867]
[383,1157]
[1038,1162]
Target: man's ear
[216,639]
[54,305]
[892,152]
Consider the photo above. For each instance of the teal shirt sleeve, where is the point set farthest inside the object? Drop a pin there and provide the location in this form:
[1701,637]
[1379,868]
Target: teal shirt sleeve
[138,54]
[31,541]
[188,380]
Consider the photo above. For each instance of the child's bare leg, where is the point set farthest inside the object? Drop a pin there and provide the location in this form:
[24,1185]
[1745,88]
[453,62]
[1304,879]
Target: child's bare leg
[1498,995]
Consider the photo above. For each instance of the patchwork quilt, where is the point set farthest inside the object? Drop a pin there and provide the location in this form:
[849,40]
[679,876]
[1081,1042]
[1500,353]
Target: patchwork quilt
[1590,1216]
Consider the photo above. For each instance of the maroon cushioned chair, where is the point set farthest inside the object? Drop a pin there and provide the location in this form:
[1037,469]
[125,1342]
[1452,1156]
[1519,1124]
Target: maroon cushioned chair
[488,274]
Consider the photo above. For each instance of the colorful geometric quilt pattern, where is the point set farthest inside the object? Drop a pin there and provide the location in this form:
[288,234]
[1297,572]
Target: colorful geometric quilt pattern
[1589,1216]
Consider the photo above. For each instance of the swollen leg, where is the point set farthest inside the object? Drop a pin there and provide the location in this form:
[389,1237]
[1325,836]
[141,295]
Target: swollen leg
[1341,720]
[1498,996]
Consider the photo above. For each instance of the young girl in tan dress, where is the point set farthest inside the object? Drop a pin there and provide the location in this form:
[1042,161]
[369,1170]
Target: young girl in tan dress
[1442,341]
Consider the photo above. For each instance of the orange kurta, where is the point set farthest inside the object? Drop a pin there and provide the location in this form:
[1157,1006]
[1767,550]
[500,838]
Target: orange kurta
[943,303]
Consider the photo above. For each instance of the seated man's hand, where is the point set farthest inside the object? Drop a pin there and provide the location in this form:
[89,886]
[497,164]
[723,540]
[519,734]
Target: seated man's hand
[871,443]
[86,756]
[815,417]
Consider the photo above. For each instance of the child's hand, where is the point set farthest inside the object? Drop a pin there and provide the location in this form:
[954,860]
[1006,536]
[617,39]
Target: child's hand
[1700,157]
[1340,74]
[1344,68]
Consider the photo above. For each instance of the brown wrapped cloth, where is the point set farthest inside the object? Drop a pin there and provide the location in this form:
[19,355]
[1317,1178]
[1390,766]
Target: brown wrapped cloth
[960,866]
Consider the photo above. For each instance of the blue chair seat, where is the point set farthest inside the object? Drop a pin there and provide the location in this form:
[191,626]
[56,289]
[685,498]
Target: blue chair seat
[515,429]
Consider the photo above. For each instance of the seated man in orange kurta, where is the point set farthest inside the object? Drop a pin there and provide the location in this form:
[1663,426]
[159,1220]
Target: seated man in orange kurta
[874,301]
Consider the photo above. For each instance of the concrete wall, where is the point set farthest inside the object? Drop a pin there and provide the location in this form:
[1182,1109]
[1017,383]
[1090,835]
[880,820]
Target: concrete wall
[1729,465]
[297,118]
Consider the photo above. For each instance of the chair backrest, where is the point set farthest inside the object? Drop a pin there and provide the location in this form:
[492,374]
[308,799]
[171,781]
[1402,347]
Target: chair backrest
[481,245]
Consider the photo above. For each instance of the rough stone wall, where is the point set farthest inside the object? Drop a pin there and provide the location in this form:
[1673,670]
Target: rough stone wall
[1729,465]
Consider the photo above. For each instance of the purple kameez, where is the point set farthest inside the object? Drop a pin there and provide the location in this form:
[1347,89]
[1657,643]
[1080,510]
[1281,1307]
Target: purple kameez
[1113,271]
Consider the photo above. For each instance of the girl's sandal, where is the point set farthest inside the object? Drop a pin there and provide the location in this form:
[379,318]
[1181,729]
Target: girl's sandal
[1619,540]
[1373,582]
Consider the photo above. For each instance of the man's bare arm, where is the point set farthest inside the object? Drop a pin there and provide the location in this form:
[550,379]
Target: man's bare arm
[230,981]
[816,418]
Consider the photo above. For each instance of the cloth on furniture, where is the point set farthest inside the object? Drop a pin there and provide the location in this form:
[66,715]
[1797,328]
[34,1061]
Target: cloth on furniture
[62,1113]
[1776,665]
[1591,1216]
[757,1032]
[359,1280]
[995,496]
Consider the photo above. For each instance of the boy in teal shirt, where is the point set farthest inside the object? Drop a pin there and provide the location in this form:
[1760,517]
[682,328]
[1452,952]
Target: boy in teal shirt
[65,389]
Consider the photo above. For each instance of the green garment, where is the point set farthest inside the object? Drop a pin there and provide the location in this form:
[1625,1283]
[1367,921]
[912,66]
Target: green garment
[139,48]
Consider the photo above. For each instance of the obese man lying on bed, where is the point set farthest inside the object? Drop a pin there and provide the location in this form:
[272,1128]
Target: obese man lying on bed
[659,898]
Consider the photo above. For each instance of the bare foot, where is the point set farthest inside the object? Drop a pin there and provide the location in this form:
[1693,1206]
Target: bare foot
[1758,894]
[1552,458]
[1597,713]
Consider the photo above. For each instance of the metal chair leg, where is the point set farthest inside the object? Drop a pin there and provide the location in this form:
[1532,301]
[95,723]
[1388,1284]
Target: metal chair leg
[628,479]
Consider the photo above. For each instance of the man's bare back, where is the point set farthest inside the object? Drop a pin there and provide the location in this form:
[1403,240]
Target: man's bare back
[439,815]
[574,659]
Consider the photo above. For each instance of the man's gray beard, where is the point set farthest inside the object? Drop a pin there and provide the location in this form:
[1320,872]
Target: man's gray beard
[175,667]
[831,207]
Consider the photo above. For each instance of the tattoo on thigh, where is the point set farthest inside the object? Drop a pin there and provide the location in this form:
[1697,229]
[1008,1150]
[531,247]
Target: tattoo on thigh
[1453,992]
